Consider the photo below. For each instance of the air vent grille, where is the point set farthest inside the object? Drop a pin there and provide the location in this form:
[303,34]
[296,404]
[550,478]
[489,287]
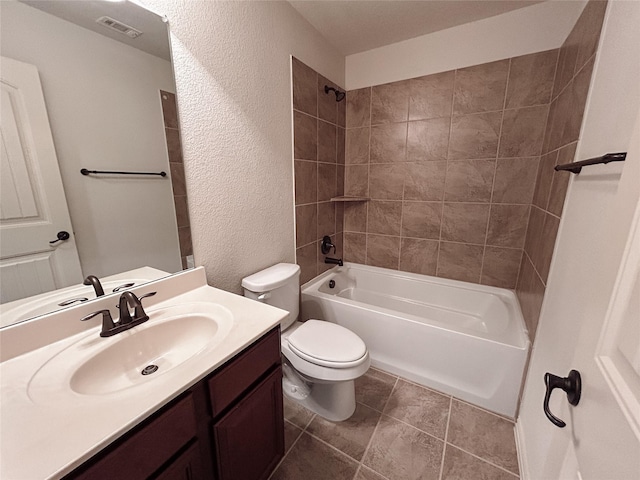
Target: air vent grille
[119,27]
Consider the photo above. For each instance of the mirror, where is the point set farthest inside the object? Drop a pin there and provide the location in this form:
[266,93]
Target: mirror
[109,99]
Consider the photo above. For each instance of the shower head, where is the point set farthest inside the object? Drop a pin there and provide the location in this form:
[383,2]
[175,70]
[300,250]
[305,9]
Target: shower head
[339,95]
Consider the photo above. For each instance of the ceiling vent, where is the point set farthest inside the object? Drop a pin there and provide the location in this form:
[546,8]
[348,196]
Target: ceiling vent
[119,27]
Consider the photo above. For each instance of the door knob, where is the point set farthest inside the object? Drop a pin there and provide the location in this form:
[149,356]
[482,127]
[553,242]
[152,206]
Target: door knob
[62,236]
[571,385]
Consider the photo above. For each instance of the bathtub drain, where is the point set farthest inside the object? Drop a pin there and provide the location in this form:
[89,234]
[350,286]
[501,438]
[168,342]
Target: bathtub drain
[149,369]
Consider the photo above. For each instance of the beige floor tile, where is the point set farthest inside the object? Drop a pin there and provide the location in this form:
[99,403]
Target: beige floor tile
[486,435]
[459,465]
[422,408]
[399,451]
[310,459]
[291,434]
[373,388]
[351,436]
[296,413]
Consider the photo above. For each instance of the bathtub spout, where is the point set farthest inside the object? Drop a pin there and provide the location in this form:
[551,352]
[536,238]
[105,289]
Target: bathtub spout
[334,261]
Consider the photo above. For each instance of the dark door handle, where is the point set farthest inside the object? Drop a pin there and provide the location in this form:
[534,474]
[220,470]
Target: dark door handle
[62,236]
[571,385]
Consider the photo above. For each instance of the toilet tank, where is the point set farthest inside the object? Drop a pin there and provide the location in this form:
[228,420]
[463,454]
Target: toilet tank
[279,286]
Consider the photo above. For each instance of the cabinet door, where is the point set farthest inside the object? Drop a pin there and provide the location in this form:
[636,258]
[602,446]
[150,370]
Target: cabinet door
[187,466]
[249,440]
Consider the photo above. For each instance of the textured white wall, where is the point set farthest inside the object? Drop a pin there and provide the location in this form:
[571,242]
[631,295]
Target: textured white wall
[540,27]
[104,107]
[233,80]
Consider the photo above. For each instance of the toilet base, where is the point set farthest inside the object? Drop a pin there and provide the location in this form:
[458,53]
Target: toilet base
[334,401]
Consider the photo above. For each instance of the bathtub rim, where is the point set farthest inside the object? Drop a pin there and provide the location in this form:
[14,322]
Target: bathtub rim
[523,341]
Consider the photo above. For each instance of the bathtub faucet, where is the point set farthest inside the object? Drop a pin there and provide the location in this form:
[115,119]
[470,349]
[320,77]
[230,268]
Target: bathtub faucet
[334,261]
[326,245]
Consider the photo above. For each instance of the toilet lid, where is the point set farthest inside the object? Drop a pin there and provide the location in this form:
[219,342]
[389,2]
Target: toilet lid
[325,343]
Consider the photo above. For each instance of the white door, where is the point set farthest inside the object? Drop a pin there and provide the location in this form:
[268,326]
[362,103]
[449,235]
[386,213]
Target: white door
[590,319]
[33,207]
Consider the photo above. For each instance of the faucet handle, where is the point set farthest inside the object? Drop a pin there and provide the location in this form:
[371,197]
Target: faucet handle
[107,321]
[327,245]
[150,294]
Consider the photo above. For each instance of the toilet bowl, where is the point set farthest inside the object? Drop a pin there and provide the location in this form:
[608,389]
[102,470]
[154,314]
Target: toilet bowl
[321,359]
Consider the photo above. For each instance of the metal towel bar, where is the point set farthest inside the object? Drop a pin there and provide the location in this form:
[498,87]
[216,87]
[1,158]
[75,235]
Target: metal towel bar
[84,171]
[576,167]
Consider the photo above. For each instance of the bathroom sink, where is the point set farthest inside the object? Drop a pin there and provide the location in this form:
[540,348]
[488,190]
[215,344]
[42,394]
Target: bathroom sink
[98,366]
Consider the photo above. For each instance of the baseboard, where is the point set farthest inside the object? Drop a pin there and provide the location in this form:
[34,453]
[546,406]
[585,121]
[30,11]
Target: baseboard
[523,464]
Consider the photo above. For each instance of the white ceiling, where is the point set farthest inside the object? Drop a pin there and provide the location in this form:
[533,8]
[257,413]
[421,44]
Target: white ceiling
[354,26]
[154,38]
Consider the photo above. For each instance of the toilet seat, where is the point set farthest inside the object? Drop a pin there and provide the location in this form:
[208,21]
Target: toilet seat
[327,344]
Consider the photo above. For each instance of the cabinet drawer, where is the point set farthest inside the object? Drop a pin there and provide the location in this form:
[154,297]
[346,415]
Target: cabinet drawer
[188,466]
[148,448]
[227,384]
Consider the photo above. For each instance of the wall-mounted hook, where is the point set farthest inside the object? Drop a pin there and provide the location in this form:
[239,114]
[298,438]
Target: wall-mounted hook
[572,385]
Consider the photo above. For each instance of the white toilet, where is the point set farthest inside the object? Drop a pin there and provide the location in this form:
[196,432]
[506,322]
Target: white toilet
[321,359]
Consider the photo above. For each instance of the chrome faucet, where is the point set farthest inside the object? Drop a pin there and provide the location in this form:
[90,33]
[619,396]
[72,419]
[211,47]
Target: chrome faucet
[95,283]
[127,300]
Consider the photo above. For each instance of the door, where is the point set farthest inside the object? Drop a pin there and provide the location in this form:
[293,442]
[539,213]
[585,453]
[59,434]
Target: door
[33,207]
[590,318]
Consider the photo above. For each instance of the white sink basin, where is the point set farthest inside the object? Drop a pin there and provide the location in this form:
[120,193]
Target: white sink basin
[98,366]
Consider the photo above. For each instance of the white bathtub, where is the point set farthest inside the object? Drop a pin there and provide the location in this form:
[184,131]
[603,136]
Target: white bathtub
[463,339]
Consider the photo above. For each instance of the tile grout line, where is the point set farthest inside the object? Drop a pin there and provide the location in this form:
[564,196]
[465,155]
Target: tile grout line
[484,460]
[446,168]
[446,436]
[366,450]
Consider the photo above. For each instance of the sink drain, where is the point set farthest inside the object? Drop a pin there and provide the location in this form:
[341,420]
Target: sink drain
[149,369]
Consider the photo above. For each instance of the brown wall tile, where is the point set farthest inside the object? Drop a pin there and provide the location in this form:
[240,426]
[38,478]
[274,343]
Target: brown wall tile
[340,180]
[356,180]
[359,108]
[357,146]
[177,178]
[390,102]
[515,180]
[549,234]
[305,137]
[174,146]
[388,143]
[327,105]
[326,219]
[386,181]
[341,146]
[531,79]
[560,181]
[306,179]
[355,247]
[419,256]
[465,222]
[182,211]
[469,180]
[355,216]
[384,217]
[184,238]
[305,81]
[459,261]
[588,27]
[523,131]
[480,88]
[342,113]
[306,257]
[544,179]
[428,139]
[169,109]
[475,136]
[421,219]
[424,181]
[306,224]
[500,267]
[327,181]
[508,225]
[383,251]
[431,96]
[327,138]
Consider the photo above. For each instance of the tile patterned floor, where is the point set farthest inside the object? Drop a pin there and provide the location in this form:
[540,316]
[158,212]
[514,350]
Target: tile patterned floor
[399,430]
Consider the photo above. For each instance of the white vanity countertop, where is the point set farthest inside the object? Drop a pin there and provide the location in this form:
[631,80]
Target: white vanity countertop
[49,439]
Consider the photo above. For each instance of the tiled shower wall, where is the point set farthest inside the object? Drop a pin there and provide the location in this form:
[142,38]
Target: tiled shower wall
[449,162]
[573,77]
[318,122]
[174,149]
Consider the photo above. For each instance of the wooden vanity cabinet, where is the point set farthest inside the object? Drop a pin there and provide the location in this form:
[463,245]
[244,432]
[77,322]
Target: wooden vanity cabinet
[229,426]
